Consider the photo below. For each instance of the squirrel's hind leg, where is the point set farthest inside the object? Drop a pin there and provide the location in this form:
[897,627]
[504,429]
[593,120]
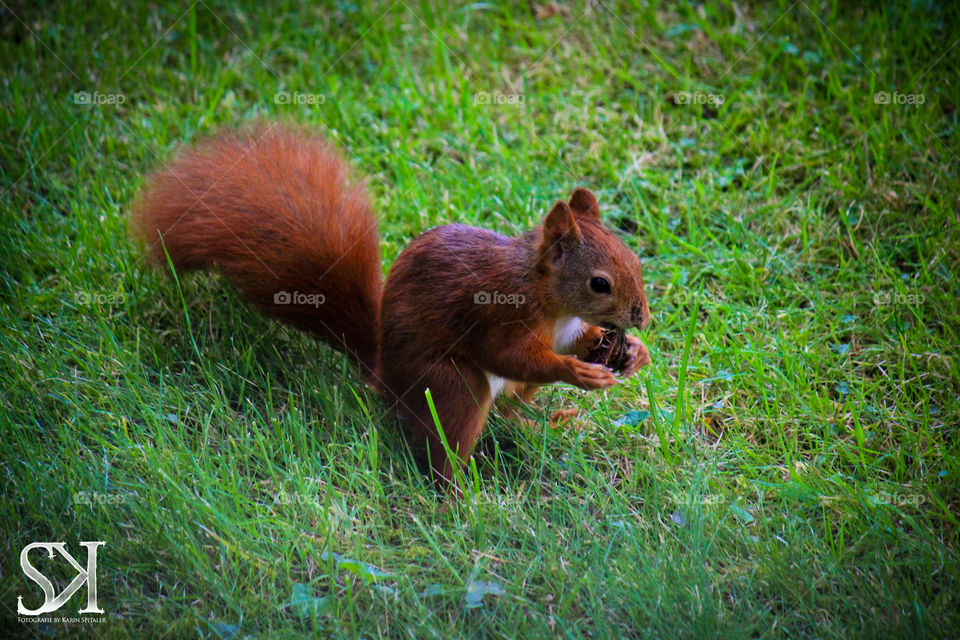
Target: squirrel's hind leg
[515,394]
[461,396]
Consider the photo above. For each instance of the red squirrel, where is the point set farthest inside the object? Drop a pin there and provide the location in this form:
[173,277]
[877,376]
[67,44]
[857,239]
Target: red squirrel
[465,312]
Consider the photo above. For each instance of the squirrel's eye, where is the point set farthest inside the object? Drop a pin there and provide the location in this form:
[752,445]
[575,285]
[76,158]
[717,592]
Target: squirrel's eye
[600,285]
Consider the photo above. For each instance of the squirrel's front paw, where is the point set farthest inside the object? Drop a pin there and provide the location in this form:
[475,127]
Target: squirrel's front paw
[589,376]
[592,338]
[637,356]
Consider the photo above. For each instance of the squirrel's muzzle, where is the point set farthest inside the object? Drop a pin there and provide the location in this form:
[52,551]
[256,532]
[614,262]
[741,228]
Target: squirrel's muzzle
[640,316]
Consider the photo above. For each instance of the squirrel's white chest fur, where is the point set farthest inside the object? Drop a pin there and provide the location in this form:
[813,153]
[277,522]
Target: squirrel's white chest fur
[566,331]
[496,384]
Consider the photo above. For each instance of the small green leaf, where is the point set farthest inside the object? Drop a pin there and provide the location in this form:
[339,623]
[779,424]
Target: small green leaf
[432,590]
[632,418]
[367,572]
[225,630]
[666,416]
[304,604]
[841,348]
[742,514]
[479,588]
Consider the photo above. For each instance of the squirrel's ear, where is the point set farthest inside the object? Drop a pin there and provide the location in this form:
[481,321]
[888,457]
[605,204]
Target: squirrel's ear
[584,203]
[560,230]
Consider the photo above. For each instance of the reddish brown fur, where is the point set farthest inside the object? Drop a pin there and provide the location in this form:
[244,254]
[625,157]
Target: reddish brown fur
[274,209]
[434,335]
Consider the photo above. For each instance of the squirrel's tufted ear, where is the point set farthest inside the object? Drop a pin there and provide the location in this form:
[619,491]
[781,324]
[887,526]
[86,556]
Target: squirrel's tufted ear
[560,231]
[584,203]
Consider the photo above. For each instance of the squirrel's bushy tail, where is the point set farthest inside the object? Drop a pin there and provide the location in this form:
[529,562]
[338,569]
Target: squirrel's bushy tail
[274,208]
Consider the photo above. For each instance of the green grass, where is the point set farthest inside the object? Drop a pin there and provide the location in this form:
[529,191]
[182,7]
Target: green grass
[786,467]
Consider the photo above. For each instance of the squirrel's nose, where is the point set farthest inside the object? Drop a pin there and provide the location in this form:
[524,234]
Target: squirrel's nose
[640,316]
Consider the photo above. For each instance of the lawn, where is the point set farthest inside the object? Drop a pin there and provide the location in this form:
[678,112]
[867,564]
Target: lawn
[787,466]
